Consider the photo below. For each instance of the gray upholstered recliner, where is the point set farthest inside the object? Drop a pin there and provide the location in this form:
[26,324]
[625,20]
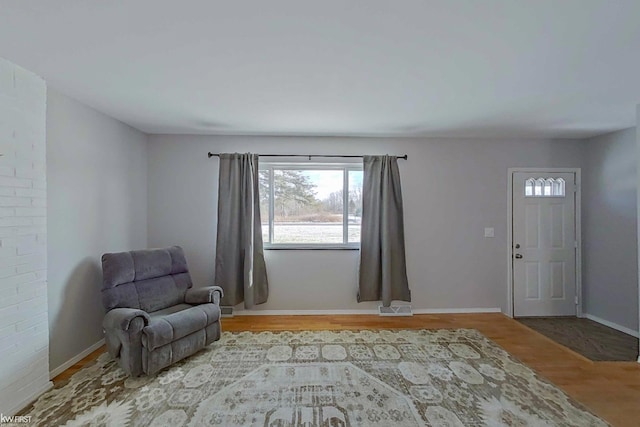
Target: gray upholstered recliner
[154,318]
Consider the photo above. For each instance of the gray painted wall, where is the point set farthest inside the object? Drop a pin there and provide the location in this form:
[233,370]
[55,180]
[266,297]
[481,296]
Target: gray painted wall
[609,232]
[97,202]
[452,189]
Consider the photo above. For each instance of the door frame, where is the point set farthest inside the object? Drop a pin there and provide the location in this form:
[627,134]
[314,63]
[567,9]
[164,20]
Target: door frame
[577,221]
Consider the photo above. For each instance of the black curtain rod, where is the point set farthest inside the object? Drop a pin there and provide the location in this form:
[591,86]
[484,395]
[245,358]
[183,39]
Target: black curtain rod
[305,155]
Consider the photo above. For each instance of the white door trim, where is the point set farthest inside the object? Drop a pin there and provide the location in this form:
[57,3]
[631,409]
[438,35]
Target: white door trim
[578,225]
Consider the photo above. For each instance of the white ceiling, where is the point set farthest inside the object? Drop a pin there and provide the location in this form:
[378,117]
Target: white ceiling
[535,68]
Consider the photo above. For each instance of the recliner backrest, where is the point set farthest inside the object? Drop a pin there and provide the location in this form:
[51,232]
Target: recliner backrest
[150,279]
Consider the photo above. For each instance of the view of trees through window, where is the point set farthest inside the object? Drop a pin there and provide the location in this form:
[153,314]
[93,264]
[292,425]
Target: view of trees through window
[308,205]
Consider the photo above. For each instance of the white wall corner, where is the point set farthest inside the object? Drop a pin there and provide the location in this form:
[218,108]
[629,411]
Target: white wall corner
[638,201]
[24,348]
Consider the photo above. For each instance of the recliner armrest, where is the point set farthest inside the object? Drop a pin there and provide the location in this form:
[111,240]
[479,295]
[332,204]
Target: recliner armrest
[121,318]
[209,294]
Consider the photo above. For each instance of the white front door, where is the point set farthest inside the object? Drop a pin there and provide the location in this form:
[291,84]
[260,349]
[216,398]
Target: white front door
[544,244]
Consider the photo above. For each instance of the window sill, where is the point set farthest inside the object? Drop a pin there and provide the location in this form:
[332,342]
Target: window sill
[311,248]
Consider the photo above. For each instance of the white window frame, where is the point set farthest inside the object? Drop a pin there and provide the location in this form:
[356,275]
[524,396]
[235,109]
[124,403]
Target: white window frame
[302,166]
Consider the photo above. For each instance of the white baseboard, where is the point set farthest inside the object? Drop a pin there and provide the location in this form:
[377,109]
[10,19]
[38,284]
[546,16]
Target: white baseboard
[28,400]
[356,311]
[612,325]
[75,359]
[457,310]
[300,312]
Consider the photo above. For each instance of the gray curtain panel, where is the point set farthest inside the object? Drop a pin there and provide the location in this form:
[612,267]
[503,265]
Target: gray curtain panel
[383,272]
[240,266]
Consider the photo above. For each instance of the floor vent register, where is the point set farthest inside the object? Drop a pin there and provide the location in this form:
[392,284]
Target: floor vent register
[395,310]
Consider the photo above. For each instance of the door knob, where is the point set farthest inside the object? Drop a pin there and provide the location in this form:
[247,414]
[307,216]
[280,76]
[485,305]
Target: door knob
[518,256]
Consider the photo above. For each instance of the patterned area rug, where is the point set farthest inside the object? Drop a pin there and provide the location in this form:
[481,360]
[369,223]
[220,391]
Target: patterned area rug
[342,378]
[591,339]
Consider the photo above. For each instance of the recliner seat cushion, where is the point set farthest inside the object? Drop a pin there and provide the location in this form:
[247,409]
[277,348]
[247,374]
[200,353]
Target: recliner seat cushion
[167,326]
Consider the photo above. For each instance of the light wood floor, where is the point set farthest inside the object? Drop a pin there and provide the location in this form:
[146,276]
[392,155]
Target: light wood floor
[609,389]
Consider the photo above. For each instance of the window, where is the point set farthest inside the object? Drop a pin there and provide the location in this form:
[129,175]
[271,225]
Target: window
[310,205]
[541,187]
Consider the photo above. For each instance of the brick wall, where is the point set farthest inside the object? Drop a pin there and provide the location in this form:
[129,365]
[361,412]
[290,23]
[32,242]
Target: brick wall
[24,334]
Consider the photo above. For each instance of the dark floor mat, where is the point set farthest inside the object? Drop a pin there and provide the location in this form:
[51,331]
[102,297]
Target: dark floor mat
[591,339]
